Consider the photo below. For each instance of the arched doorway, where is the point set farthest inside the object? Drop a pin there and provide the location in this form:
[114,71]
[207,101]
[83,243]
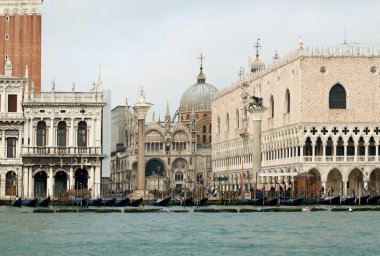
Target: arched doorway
[10,183]
[40,184]
[154,166]
[355,183]
[374,182]
[81,179]
[60,181]
[334,183]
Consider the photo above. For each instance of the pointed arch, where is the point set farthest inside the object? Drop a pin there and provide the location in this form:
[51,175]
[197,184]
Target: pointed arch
[272,106]
[237,119]
[287,101]
[337,97]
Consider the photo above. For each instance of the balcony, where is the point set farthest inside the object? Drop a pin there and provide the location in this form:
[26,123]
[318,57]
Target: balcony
[61,151]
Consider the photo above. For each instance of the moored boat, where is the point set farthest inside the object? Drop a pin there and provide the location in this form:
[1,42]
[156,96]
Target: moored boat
[122,202]
[108,202]
[164,202]
[44,202]
[203,201]
[373,199]
[94,202]
[361,200]
[347,200]
[80,202]
[16,202]
[292,201]
[271,202]
[189,201]
[329,200]
[137,202]
[30,202]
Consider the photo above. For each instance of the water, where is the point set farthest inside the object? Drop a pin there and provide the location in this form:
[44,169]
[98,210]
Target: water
[165,233]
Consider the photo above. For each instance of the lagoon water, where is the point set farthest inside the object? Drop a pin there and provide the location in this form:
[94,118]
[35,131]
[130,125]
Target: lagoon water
[193,233]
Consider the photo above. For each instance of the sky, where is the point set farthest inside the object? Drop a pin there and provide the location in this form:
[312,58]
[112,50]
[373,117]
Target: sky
[156,43]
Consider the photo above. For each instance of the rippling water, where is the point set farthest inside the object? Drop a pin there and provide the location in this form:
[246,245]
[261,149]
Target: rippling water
[298,233]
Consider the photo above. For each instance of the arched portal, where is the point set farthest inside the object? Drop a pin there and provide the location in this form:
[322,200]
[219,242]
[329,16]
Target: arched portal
[374,182]
[355,183]
[10,183]
[154,166]
[40,184]
[60,183]
[334,183]
[81,179]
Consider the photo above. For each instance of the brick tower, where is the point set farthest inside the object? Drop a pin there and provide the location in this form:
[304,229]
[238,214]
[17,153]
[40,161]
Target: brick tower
[20,38]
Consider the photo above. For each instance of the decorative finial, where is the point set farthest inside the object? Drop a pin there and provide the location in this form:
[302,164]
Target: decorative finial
[275,56]
[241,73]
[99,80]
[73,87]
[257,46]
[301,43]
[201,77]
[153,117]
[167,114]
[26,72]
[53,85]
[141,95]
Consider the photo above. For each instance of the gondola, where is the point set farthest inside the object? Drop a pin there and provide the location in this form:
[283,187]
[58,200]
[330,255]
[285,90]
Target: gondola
[271,202]
[203,201]
[108,202]
[165,201]
[80,202]
[373,200]
[94,202]
[30,202]
[44,202]
[329,200]
[136,203]
[347,200]
[292,201]
[122,202]
[189,202]
[16,202]
[252,201]
[362,200]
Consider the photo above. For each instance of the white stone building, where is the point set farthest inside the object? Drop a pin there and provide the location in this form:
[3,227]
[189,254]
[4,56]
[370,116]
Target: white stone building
[51,142]
[322,118]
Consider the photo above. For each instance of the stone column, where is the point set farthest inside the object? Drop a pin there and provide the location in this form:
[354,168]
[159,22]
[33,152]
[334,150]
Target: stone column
[345,144]
[50,183]
[51,133]
[366,145]
[71,178]
[324,184]
[97,178]
[71,133]
[25,179]
[324,144]
[257,115]
[31,184]
[141,108]
[344,187]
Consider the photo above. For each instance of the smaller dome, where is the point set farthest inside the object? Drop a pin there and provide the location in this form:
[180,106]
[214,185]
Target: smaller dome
[256,65]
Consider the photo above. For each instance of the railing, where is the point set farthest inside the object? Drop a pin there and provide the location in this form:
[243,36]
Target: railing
[340,158]
[62,150]
[350,158]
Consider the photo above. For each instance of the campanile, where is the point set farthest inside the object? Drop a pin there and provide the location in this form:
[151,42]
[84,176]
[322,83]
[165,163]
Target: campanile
[20,38]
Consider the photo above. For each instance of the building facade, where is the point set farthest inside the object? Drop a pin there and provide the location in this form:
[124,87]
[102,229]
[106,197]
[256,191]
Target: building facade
[322,118]
[51,142]
[177,153]
[20,33]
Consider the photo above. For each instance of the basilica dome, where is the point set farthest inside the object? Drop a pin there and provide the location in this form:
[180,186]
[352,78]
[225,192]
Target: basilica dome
[197,97]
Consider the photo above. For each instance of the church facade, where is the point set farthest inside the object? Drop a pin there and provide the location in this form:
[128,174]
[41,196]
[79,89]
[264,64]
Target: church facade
[177,153]
[322,118]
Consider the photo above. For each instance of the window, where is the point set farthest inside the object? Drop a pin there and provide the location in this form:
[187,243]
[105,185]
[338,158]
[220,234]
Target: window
[11,147]
[373,70]
[7,18]
[41,134]
[218,126]
[272,106]
[204,139]
[6,37]
[6,57]
[227,122]
[10,183]
[237,119]
[204,115]
[61,134]
[209,129]
[287,101]
[337,97]
[204,128]
[12,103]
[82,134]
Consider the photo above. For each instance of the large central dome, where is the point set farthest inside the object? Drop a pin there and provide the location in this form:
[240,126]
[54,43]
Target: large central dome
[197,97]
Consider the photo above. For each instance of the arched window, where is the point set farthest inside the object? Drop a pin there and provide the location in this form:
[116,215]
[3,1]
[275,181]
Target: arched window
[61,134]
[272,106]
[227,122]
[204,139]
[41,134]
[337,97]
[287,101]
[204,129]
[218,125]
[82,134]
[10,183]
[237,119]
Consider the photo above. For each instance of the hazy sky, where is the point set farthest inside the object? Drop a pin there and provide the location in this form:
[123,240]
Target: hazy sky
[156,43]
